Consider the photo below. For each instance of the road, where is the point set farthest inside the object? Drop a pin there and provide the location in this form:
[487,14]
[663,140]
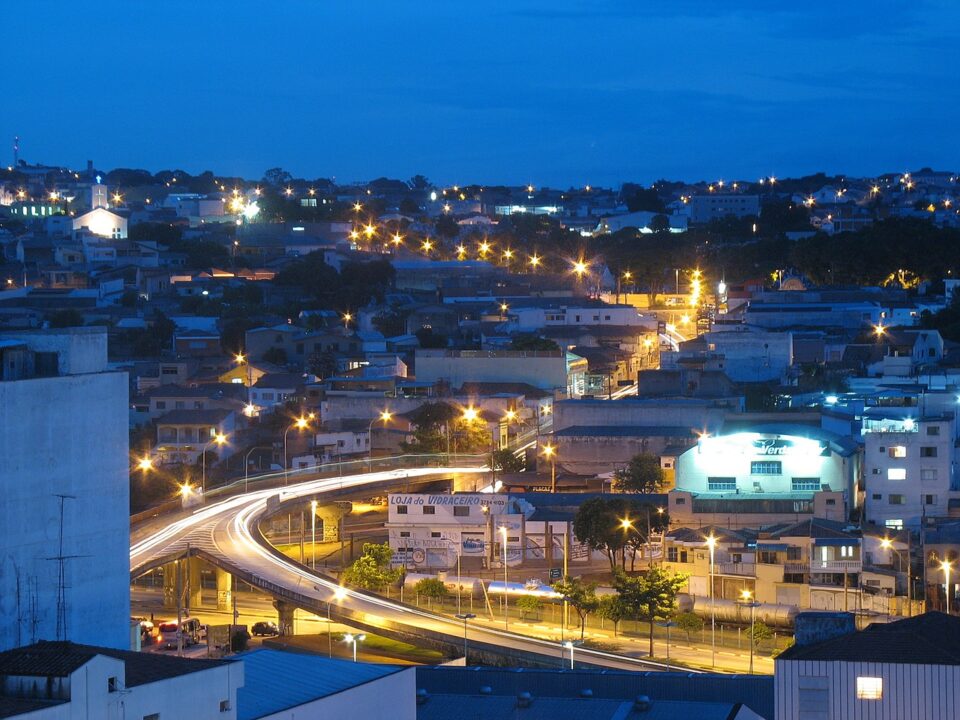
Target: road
[227,530]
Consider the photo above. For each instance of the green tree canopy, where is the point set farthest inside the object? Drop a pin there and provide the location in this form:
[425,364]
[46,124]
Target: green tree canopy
[642,474]
[581,596]
[649,596]
[372,571]
[506,460]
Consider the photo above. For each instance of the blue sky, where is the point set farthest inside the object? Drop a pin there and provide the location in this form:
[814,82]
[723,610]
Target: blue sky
[551,93]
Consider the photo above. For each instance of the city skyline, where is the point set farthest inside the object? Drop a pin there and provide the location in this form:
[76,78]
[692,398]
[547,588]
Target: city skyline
[572,95]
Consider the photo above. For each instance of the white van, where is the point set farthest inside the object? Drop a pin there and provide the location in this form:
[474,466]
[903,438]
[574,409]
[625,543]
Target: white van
[189,628]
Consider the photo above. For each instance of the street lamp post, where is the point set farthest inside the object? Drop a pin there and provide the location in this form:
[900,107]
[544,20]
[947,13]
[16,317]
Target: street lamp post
[246,464]
[219,439]
[506,618]
[887,544]
[945,566]
[313,534]
[301,423]
[384,416]
[353,640]
[551,452]
[712,544]
[569,646]
[465,617]
[746,599]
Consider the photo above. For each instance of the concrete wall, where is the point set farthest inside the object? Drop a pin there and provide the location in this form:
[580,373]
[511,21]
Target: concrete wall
[655,413]
[64,435]
[80,350]
[544,371]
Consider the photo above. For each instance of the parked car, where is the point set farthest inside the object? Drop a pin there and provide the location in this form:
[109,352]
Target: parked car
[190,629]
[265,628]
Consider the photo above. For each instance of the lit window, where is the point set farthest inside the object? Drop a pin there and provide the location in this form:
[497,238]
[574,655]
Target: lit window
[869,688]
[898,451]
[896,474]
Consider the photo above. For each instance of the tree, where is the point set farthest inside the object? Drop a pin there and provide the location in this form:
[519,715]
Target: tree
[372,571]
[644,520]
[596,524]
[277,177]
[505,460]
[530,605]
[650,595]
[642,474]
[275,355]
[532,342]
[612,608]
[430,340]
[447,227]
[659,223]
[65,318]
[689,622]
[581,596]
[759,632]
[640,199]
[431,589]
[418,182]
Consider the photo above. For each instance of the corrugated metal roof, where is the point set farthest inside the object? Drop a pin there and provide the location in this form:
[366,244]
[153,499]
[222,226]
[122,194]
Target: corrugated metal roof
[275,680]
[444,707]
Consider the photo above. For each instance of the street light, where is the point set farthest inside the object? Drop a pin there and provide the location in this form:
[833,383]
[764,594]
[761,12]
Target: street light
[506,620]
[550,452]
[712,544]
[569,645]
[218,439]
[354,639]
[746,599]
[347,317]
[887,544]
[145,464]
[945,566]
[186,490]
[384,417]
[339,594]
[465,617]
[313,534]
[301,423]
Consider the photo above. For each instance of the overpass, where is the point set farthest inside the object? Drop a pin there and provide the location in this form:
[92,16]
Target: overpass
[226,534]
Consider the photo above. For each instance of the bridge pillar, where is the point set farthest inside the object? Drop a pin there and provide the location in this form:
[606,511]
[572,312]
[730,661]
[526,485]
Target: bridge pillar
[224,589]
[284,616]
[328,523]
[170,585]
[193,567]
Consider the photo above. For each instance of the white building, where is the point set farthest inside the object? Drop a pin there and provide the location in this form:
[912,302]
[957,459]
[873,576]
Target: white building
[552,370]
[530,319]
[102,222]
[704,208]
[63,458]
[907,465]
[428,531]
[67,681]
[890,671]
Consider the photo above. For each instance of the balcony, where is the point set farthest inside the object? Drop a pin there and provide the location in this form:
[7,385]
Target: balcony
[796,567]
[835,566]
[734,568]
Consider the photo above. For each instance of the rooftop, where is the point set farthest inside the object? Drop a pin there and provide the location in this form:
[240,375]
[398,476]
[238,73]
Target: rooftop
[929,639]
[268,689]
[60,659]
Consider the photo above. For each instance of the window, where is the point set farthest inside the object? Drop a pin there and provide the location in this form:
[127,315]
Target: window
[681,501]
[112,685]
[876,496]
[401,509]
[897,451]
[831,501]
[805,484]
[434,534]
[895,499]
[929,499]
[169,370]
[869,688]
[671,554]
[930,451]
[404,533]
[875,471]
[928,474]
[721,484]
[152,716]
[461,511]
[161,404]
[224,706]
[429,510]
[933,429]
[766,467]
[894,524]
[896,473]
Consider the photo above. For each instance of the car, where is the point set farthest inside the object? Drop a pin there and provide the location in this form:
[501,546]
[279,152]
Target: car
[265,628]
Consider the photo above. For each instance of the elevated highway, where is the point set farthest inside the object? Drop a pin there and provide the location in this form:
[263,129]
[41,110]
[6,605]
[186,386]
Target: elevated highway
[226,533]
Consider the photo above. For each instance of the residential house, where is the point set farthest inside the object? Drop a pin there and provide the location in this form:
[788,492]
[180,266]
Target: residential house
[183,435]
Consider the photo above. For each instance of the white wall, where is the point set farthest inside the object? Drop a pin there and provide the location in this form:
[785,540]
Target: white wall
[930,692]
[65,435]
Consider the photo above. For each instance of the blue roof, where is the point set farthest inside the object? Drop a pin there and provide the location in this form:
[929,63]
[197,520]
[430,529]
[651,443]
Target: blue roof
[276,680]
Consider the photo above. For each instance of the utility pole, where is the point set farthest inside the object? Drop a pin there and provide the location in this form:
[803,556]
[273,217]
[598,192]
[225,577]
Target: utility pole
[61,573]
